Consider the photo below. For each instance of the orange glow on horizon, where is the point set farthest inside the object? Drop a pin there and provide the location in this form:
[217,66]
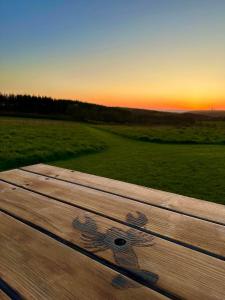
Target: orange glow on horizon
[150,55]
[162,105]
[131,101]
[149,103]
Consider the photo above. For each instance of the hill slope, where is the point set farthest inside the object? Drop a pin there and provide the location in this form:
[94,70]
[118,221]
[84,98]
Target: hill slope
[33,106]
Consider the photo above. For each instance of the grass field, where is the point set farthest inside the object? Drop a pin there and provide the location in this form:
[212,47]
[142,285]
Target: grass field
[196,170]
[27,141]
[212,132]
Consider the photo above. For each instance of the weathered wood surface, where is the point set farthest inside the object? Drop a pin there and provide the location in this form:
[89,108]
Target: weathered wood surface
[187,205]
[192,231]
[156,256]
[39,267]
[3,296]
[64,240]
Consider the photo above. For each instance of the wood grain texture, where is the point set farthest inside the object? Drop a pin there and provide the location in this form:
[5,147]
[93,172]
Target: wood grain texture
[3,296]
[183,272]
[39,267]
[199,233]
[188,205]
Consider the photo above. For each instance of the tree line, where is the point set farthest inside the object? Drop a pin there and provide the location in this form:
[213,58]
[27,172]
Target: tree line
[38,106]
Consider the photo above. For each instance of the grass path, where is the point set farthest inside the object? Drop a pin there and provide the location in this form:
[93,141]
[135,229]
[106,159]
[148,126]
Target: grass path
[192,170]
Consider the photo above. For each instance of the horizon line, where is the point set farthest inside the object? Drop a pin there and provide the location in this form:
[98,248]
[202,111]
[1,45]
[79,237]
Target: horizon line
[178,110]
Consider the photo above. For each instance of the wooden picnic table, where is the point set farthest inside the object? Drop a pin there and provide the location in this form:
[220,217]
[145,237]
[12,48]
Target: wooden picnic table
[70,235]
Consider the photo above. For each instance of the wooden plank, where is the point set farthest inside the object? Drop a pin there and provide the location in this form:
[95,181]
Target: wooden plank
[198,233]
[180,271]
[187,205]
[42,268]
[3,296]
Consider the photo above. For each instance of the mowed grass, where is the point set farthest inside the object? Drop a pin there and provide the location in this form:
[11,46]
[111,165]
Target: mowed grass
[28,141]
[212,132]
[196,170]
[192,170]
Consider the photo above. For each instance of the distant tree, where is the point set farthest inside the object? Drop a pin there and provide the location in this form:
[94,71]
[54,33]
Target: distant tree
[30,105]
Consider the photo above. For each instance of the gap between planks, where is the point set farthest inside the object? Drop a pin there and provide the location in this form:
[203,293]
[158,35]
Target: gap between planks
[186,245]
[43,268]
[59,212]
[91,255]
[7,292]
[4,296]
[129,197]
[182,204]
[193,233]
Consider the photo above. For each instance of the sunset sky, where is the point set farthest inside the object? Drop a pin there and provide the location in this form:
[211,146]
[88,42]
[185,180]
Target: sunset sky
[156,54]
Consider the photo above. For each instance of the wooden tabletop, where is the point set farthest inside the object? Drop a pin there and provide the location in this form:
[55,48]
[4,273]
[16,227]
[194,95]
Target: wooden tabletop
[70,235]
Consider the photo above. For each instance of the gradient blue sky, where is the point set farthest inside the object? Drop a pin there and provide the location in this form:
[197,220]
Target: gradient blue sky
[165,54]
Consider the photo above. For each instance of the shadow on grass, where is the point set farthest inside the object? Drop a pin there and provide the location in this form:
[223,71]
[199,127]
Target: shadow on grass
[51,157]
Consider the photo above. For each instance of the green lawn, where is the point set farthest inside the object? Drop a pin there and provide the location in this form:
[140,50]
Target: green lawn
[203,132]
[192,170]
[28,141]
